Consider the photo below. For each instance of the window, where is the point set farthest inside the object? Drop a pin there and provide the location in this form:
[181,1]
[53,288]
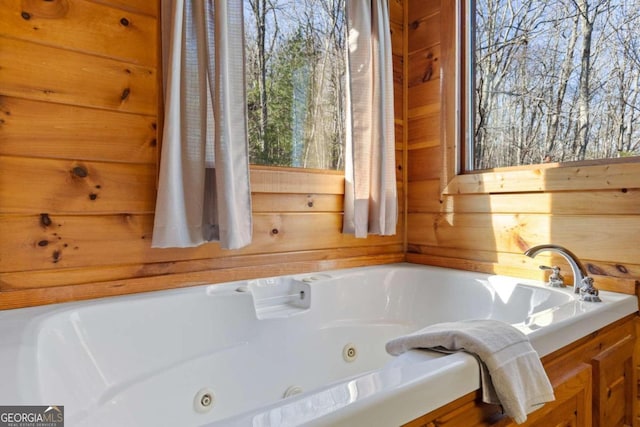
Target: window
[552,81]
[295,76]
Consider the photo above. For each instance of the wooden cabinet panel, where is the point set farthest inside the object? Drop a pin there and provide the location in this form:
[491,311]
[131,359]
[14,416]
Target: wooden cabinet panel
[563,416]
[572,407]
[593,380]
[474,414]
[613,391]
[468,411]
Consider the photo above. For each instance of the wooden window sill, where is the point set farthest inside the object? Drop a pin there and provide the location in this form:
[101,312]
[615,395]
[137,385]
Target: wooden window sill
[594,175]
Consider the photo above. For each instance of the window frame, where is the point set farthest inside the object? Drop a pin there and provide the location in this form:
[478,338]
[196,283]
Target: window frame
[457,87]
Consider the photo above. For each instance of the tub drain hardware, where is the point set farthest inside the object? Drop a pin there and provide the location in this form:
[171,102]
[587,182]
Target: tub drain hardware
[349,353]
[204,400]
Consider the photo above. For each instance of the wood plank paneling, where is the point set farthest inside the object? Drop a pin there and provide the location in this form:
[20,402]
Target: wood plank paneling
[424,33]
[484,221]
[281,180]
[69,132]
[147,7]
[399,135]
[82,26]
[396,37]
[398,102]
[45,73]
[79,125]
[68,187]
[604,283]
[419,9]
[424,164]
[552,203]
[61,186]
[77,241]
[602,176]
[87,275]
[396,11]
[427,93]
[493,261]
[398,83]
[609,235]
[425,65]
[425,196]
[424,132]
[30,297]
[289,202]
[450,135]
[424,110]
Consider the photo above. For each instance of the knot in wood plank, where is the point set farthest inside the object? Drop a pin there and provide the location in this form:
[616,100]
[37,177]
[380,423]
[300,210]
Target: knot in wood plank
[125,94]
[47,9]
[80,172]
[45,221]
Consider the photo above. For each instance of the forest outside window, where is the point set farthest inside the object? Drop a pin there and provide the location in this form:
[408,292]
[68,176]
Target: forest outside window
[552,81]
[295,53]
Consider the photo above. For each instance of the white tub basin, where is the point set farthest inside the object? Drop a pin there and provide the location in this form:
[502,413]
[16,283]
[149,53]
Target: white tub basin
[141,360]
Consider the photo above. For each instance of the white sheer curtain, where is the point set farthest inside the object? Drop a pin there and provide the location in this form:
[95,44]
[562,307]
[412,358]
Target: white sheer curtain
[203,191]
[371,204]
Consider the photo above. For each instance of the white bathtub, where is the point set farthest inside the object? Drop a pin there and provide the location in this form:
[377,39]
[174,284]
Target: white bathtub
[142,360]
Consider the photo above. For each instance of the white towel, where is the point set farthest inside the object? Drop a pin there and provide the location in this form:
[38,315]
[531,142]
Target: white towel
[511,372]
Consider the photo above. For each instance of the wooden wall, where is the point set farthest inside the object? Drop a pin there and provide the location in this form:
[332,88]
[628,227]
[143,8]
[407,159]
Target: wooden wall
[79,143]
[486,221]
[79,104]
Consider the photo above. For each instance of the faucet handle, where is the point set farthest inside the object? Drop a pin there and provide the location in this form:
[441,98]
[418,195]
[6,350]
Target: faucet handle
[588,292]
[556,280]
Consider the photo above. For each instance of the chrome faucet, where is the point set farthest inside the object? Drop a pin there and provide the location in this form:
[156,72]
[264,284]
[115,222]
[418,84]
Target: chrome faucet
[582,283]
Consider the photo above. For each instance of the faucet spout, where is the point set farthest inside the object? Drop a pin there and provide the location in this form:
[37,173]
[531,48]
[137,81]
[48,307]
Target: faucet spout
[582,283]
[577,269]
